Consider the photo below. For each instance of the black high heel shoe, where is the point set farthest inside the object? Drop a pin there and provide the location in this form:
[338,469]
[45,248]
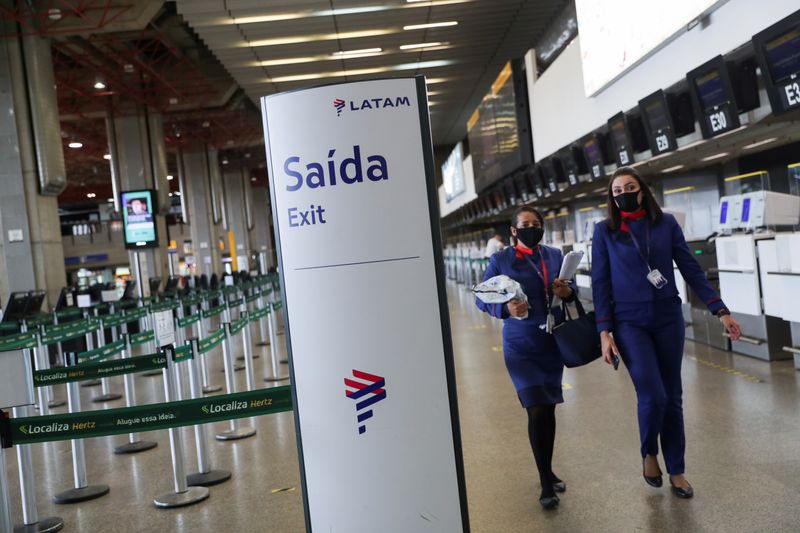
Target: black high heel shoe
[653,481]
[549,502]
[558,485]
[686,493]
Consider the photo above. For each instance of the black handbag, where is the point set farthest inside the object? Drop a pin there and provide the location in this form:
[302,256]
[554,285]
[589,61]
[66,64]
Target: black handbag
[577,338]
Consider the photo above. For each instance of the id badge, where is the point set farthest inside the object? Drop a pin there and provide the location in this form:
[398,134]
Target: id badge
[655,277]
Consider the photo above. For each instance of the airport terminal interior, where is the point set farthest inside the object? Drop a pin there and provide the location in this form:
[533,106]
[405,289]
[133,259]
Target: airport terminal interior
[178,352]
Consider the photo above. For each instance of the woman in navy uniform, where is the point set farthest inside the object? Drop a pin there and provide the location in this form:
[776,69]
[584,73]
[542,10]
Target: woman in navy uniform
[635,297]
[531,354]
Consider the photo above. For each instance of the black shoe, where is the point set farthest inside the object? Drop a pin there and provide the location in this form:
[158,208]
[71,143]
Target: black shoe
[558,485]
[682,493]
[655,481]
[549,502]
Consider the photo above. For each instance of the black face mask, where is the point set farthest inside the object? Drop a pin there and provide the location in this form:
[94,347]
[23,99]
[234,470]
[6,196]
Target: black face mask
[530,237]
[628,201]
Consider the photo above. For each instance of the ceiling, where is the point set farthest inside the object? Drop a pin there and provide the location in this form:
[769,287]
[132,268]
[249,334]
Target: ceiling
[281,45]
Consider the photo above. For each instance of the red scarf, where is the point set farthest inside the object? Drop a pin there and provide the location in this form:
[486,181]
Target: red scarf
[636,215]
[522,252]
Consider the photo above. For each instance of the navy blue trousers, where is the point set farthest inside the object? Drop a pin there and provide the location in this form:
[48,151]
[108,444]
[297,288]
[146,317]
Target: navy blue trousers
[650,337]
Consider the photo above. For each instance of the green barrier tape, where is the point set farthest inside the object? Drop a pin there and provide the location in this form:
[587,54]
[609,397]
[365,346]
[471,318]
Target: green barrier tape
[85,372]
[211,341]
[230,290]
[65,332]
[19,341]
[213,311]
[9,326]
[189,320]
[140,312]
[102,423]
[112,321]
[164,306]
[259,313]
[266,292]
[194,300]
[69,312]
[251,299]
[235,303]
[277,305]
[213,295]
[126,304]
[239,325]
[183,353]
[40,320]
[142,337]
[104,352]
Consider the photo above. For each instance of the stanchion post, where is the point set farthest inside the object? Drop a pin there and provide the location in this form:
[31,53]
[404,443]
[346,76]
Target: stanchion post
[82,491]
[134,444]
[5,507]
[247,348]
[235,432]
[204,476]
[273,348]
[183,494]
[202,331]
[27,488]
[105,393]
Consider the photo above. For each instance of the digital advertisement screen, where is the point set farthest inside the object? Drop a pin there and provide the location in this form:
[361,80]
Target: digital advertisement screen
[138,219]
[453,173]
[783,55]
[711,90]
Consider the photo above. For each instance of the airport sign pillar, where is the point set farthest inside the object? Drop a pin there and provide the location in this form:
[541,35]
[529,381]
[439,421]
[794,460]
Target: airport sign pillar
[367,326]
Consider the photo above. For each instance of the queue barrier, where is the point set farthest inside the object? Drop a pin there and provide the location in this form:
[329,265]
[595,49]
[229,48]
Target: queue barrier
[19,341]
[71,330]
[152,417]
[211,341]
[187,321]
[103,352]
[214,311]
[95,370]
[142,337]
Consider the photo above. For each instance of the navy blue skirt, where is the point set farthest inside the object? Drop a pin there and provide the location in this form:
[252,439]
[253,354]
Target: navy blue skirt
[533,362]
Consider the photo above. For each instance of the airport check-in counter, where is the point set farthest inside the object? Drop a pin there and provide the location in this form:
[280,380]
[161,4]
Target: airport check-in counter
[780,280]
[742,261]
[701,326]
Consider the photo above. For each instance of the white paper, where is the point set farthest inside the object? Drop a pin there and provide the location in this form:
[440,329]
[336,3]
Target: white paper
[165,328]
[568,269]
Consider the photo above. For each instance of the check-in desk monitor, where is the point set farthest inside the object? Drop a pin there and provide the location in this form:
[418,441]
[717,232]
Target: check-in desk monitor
[762,209]
[730,212]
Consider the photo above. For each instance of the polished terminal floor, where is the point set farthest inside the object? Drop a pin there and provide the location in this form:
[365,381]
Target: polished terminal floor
[743,455]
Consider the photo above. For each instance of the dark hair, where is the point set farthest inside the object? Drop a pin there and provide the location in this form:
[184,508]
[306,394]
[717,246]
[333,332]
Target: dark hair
[525,209]
[649,203]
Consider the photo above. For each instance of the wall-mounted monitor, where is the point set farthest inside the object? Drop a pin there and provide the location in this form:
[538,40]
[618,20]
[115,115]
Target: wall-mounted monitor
[658,123]
[621,139]
[499,129]
[778,54]
[510,191]
[548,171]
[535,183]
[573,164]
[453,173]
[139,219]
[713,98]
[523,187]
[593,148]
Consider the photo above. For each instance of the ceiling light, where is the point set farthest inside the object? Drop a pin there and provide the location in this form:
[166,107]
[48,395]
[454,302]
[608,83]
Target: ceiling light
[357,52]
[110,200]
[418,45]
[672,169]
[760,143]
[99,85]
[247,155]
[599,189]
[173,101]
[54,14]
[585,209]
[75,144]
[253,178]
[107,157]
[170,177]
[580,195]
[128,68]
[715,156]
[430,25]
[225,161]
[90,195]
[297,39]
[177,193]
[206,124]
[359,72]
[431,81]
[170,195]
[679,189]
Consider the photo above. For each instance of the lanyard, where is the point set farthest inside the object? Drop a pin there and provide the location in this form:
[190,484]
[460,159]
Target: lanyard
[645,259]
[542,275]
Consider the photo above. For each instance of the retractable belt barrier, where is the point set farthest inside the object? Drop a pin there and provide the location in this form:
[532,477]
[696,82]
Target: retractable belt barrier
[104,369]
[153,417]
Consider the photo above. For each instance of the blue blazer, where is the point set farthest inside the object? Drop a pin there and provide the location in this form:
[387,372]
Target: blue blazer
[619,274]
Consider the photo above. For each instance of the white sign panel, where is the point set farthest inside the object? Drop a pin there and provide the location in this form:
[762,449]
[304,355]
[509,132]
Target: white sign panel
[366,313]
[17,380]
[165,328]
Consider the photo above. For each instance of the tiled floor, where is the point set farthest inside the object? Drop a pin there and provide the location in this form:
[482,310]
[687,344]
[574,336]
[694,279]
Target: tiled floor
[743,454]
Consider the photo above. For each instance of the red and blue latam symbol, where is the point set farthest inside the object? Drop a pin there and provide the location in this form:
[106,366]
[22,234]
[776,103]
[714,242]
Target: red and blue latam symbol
[367,392]
[370,103]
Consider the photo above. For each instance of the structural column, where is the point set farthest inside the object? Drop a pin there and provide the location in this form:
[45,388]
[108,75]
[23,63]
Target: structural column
[139,156]
[261,235]
[197,199]
[236,198]
[32,170]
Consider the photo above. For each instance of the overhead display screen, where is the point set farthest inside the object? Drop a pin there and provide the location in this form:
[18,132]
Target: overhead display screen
[138,219]
[616,35]
[591,150]
[621,139]
[711,90]
[453,173]
[494,135]
[783,55]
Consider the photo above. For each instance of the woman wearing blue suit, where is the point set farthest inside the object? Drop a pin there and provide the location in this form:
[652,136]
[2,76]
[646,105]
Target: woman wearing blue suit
[531,354]
[636,298]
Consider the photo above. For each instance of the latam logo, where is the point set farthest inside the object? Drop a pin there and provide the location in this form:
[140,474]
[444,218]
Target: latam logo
[365,394]
[370,103]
